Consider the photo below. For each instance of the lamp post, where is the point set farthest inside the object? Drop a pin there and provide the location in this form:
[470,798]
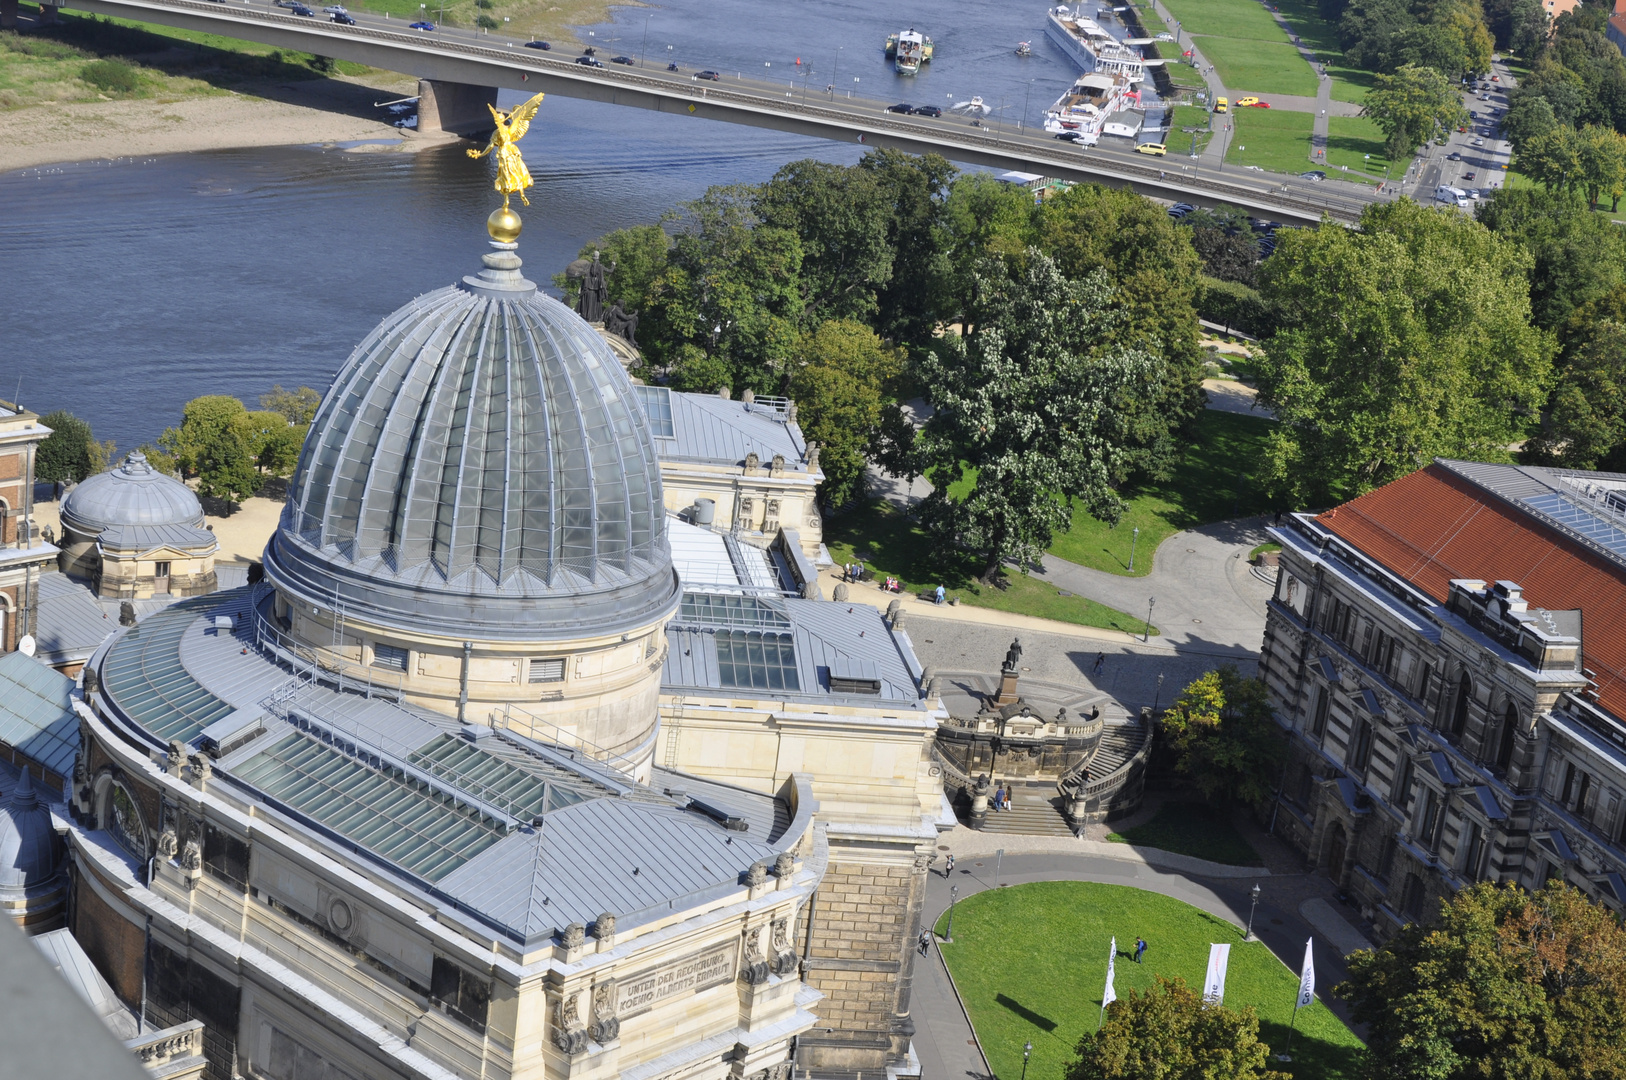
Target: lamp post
[835,69]
[1027,1048]
[1021,125]
[1134,538]
[948,931]
[1147,636]
[1249,935]
[643,50]
[1157,696]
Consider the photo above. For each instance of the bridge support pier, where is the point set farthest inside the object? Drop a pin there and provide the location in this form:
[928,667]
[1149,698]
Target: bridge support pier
[458,108]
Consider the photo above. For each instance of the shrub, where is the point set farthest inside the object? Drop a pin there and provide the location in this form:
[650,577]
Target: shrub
[113,76]
[486,22]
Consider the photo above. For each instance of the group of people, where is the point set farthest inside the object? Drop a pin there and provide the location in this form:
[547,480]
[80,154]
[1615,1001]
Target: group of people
[1001,799]
[853,571]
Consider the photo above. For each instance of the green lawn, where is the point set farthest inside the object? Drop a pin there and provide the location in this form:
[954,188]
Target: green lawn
[890,543]
[1348,83]
[1273,140]
[1194,829]
[1350,139]
[1259,68]
[1189,116]
[1030,964]
[1245,20]
[1212,483]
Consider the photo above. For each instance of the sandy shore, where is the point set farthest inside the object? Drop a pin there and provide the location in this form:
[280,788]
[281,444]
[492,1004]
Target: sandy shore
[242,537]
[315,111]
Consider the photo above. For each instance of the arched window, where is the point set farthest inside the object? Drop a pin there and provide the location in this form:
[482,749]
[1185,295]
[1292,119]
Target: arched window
[1459,712]
[125,822]
[1504,747]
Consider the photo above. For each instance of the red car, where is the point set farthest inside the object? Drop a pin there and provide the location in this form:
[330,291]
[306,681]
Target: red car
[1260,105]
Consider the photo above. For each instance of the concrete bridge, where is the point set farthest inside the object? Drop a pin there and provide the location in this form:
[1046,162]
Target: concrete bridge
[460,73]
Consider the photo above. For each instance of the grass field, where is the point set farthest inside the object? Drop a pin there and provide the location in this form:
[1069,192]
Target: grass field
[1350,139]
[1259,68]
[890,543]
[1273,140]
[1211,484]
[1194,829]
[1030,964]
[1348,83]
[1245,20]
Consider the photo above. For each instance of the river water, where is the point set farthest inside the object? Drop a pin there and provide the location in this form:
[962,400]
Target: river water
[136,285]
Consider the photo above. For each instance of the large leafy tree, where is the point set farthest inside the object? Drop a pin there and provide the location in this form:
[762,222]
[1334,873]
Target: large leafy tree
[1501,983]
[1405,340]
[1227,741]
[70,453]
[1155,275]
[982,217]
[1576,256]
[1586,420]
[1168,1033]
[1412,106]
[910,304]
[841,392]
[226,468]
[202,419]
[841,217]
[298,406]
[1591,161]
[1027,412]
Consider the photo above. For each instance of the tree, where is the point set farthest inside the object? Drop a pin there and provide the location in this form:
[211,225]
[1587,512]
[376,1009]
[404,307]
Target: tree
[1500,983]
[226,467]
[1406,340]
[911,303]
[1412,106]
[298,406]
[1586,419]
[70,453]
[840,393]
[639,255]
[202,418]
[841,216]
[1026,413]
[1155,277]
[1167,1033]
[1577,256]
[1226,739]
[982,217]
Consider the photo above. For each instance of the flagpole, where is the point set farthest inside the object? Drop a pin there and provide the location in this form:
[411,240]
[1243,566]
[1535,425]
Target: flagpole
[1306,994]
[1287,1055]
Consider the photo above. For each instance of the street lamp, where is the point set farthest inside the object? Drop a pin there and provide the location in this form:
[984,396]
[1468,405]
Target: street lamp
[643,50]
[835,69]
[1134,538]
[948,931]
[1157,697]
[1027,1048]
[1150,600]
[1249,935]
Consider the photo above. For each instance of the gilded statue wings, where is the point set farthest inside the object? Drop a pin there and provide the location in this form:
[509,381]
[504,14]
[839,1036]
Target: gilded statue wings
[519,120]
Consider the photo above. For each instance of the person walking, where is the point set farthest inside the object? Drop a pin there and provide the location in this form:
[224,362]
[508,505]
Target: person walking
[1140,949]
[939,597]
[925,942]
[1100,663]
[948,865]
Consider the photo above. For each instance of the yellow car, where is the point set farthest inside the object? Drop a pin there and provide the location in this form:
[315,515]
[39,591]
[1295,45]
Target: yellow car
[1156,149]
[1221,105]
[1243,101]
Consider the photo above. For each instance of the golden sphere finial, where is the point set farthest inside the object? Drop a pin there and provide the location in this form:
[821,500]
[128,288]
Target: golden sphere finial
[503,225]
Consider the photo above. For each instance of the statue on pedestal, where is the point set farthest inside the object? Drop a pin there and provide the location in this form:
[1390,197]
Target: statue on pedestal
[595,287]
[1013,655]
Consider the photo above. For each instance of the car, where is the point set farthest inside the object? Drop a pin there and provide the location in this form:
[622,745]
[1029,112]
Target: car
[1314,174]
[901,107]
[1261,105]
[709,75]
[343,18]
[1484,97]
[1070,136]
[1254,168]
[1453,156]
[1462,130]
[303,12]
[335,9]
[543,45]
[1469,176]
[1156,149]
[1243,101]
[1472,115]
[1221,105]
[288,3]
[588,61]
[1180,210]
[927,110]
[626,60]
[1496,78]
[1164,36]
[421,25]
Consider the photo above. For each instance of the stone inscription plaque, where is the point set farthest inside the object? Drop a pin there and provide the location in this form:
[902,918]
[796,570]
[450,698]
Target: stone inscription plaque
[696,972]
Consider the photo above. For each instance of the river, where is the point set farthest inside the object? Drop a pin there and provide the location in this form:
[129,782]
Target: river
[135,285]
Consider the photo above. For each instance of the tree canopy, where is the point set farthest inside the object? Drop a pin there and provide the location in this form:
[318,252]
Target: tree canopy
[1576,256]
[1500,983]
[1167,1033]
[1405,340]
[1226,739]
[1412,106]
[847,377]
[1027,411]
[70,453]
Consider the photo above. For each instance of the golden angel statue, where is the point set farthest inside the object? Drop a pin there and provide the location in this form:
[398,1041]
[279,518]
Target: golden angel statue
[512,176]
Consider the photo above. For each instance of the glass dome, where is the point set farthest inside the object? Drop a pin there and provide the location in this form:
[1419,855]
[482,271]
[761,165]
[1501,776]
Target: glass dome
[29,850]
[135,493]
[481,468]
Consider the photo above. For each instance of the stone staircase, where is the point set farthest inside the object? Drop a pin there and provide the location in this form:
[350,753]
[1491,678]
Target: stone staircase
[1033,812]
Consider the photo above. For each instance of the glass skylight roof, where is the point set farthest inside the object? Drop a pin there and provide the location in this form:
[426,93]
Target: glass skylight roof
[757,661]
[657,403]
[524,792]
[405,821]
[1589,523]
[145,676]
[722,609]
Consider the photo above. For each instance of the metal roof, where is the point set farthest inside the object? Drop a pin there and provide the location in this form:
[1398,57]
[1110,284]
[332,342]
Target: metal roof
[64,954]
[134,493]
[717,430]
[480,462]
[69,622]
[150,537]
[705,655]
[36,712]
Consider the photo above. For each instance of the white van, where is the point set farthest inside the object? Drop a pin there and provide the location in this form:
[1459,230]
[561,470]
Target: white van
[1449,194]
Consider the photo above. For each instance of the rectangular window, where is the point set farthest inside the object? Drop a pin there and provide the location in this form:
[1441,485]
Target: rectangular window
[1473,851]
[160,569]
[1400,794]
[1366,641]
[465,996]
[1411,903]
[1569,784]
[1307,788]
[1360,746]
[225,857]
[390,657]
[757,661]
[547,670]
[1583,796]
[1429,821]
[1323,701]
[1386,862]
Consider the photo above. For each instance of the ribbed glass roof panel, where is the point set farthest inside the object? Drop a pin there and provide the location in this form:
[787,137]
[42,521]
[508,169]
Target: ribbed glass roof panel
[748,659]
[406,822]
[657,404]
[1587,522]
[727,609]
[144,676]
[524,789]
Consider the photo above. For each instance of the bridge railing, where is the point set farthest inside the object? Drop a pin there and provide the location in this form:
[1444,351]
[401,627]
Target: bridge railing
[1335,204]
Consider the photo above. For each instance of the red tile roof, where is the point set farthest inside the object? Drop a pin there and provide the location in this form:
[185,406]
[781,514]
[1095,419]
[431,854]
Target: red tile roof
[1433,526]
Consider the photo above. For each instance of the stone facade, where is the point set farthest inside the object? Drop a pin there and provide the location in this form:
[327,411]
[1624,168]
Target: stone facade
[23,555]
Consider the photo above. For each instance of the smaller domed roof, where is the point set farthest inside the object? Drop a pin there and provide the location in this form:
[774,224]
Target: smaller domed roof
[28,844]
[135,493]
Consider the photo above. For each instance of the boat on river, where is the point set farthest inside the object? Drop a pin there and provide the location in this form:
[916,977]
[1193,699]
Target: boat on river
[1024,48]
[1084,113]
[1088,44]
[908,50]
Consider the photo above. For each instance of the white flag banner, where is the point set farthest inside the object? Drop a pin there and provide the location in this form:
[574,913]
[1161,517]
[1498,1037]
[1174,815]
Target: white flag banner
[1219,956]
[1307,976]
[1110,995]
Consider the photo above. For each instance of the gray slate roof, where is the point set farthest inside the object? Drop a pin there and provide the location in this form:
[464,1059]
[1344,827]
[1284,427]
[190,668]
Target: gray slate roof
[134,493]
[70,623]
[149,537]
[36,712]
[707,428]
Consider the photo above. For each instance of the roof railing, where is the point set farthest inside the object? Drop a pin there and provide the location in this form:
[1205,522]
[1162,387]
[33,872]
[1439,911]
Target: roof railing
[569,742]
